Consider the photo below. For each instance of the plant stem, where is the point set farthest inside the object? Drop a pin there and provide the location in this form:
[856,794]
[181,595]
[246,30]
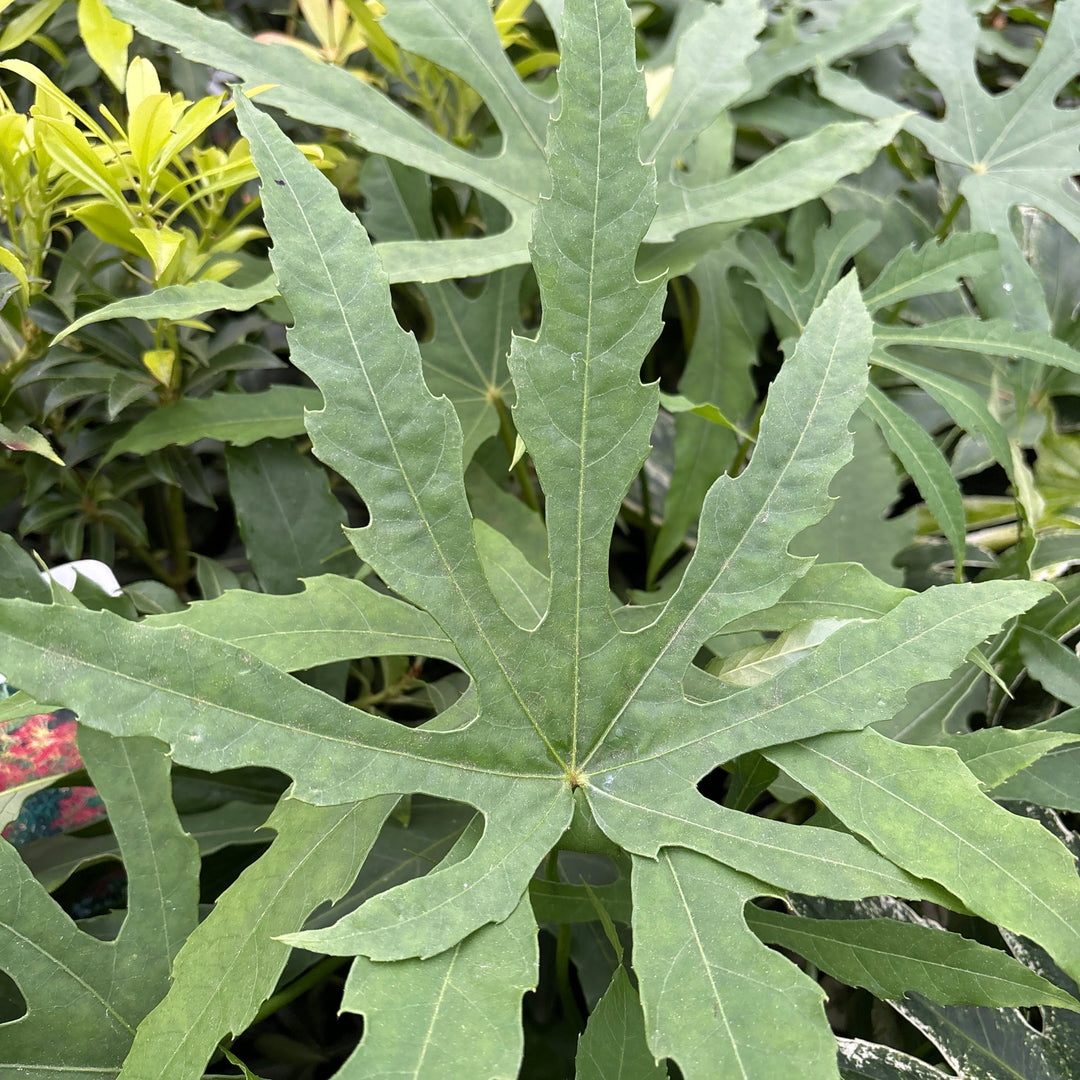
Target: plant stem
[949,218]
[562,971]
[179,542]
[314,975]
[743,450]
[506,430]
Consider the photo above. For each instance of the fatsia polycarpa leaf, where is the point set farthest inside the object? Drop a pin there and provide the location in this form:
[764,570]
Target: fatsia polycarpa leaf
[582,726]
[459,35]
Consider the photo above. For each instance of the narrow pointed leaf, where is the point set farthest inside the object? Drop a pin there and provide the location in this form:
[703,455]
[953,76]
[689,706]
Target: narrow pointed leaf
[890,958]
[926,465]
[237,419]
[178,302]
[334,618]
[613,1046]
[949,832]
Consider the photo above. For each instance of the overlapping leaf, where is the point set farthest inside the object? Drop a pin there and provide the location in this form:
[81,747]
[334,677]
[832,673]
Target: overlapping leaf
[85,997]
[587,718]
[460,36]
[1017,148]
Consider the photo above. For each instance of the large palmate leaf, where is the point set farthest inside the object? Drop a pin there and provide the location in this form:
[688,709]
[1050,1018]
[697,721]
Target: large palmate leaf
[1017,148]
[710,73]
[582,726]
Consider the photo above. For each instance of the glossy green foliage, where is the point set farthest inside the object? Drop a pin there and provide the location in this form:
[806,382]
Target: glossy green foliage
[568,725]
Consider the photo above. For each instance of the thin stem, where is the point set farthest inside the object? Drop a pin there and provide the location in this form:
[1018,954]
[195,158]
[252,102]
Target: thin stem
[562,971]
[180,544]
[949,218]
[743,450]
[312,977]
[506,430]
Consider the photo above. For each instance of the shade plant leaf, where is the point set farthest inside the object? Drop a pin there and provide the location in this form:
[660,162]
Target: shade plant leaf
[992,141]
[459,35]
[591,726]
[86,1028]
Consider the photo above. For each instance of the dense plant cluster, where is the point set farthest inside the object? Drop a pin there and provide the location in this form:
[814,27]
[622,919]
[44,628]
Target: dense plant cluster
[593,490]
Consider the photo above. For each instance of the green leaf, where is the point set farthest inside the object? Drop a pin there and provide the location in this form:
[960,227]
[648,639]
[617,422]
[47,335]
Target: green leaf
[85,997]
[823,37]
[890,958]
[589,728]
[987,337]
[826,591]
[19,574]
[856,528]
[993,755]
[708,75]
[860,1060]
[290,521]
[1056,667]
[717,369]
[966,407]
[53,859]
[927,467]
[177,302]
[795,290]
[231,963]
[27,439]
[934,267]
[955,834]
[465,355]
[1052,779]
[707,981]
[459,35]
[464,1013]
[613,1045]
[237,419]
[993,141]
[334,618]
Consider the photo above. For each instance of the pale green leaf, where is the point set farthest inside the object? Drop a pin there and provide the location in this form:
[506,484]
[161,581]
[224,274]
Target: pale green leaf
[857,528]
[924,462]
[826,591]
[934,267]
[952,833]
[890,958]
[231,963]
[85,997]
[334,618]
[717,369]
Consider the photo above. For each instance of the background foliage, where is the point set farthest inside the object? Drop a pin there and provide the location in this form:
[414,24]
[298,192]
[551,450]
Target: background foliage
[581,768]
